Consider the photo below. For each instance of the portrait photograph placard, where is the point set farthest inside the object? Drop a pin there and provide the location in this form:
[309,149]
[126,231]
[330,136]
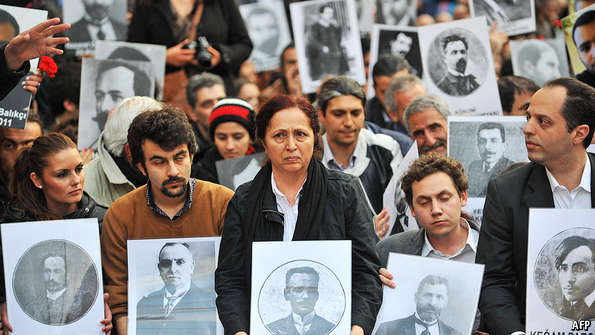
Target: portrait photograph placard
[171,286]
[92,21]
[567,26]
[394,40]
[153,53]
[458,66]
[52,272]
[400,217]
[396,12]
[474,208]
[366,12]
[236,171]
[486,146]
[15,105]
[514,16]
[104,84]
[539,60]
[307,279]
[429,290]
[327,41]
[269,31]
[561,271]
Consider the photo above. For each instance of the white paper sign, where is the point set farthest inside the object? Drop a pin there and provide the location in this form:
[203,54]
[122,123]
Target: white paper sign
[453,305]
[539,60]
[160,267]
[514,16]
[59,259]
[560,271]
[300,277]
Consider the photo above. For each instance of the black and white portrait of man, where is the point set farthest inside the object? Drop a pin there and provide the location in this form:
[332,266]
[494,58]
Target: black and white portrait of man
[301,292]
[431,298]
[396,12]
[95,21]
[457,80]
[179,306]
[55,283]
[400,41]
[539,60]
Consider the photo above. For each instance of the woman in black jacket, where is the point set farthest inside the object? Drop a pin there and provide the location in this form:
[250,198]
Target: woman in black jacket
[330,206]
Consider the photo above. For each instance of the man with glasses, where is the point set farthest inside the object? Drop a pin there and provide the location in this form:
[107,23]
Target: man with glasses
[179,307]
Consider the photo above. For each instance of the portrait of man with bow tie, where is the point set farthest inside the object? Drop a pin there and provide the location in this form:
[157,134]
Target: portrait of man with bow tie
[457,81]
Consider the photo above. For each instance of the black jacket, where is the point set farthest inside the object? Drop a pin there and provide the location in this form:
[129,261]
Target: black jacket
[205,169]
[9,78]
[587,77]
[347,217]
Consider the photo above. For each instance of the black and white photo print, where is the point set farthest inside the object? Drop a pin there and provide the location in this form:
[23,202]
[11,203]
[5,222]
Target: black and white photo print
[171,286]
[136,52]
[94,20]
[486,146]
[429,297]
[269,31]
[326,35]
[514,16]
[561,270]
[396,12]
[236,171]
[15,106]
[458,66]
[53,276]
[299,288]
[539,60]
[104,84]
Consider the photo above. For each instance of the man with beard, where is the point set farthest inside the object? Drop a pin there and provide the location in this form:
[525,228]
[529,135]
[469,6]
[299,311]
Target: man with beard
[170,205]
[96,24]
[56,305]
[179,307]
[583,35]
[431,298]
[456,82]
[491,143]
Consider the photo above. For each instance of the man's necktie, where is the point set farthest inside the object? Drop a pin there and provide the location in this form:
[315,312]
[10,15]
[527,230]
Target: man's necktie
[169,305]
[578,309]
[423,324]
[100,34]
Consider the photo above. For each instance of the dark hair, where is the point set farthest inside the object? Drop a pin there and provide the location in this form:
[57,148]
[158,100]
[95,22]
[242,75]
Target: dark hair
[35,159]
[303,269]
[168,128]
[66,86]
[508,86]
[388,65]
[453,38]
[339,86]
[200,81]
[128,53]
[583,20]
[493,125]
[365,41]
[279,103]
[282,56]
[578,105]
[326,5]
[142,81]
[571,243]
[8,18]
[432,280]
[429,164]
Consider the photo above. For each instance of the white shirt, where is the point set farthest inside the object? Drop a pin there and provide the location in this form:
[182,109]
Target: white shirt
[433,329]
[465,254]
[302,324]
[178,297]
[290,213]
[106,28]
[580,197]
[55,295]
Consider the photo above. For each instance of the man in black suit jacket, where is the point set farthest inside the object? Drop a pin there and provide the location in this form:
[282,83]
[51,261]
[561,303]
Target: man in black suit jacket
[431,298]
[96,24]
[560,123]
[301,291]
[180,307]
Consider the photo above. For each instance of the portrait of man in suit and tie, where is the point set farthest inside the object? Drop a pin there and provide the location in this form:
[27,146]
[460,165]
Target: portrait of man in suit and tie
[301,292]
[491,144]
[457,81]
[431,298]
[96,24]
[179,307]
[58,303]
[575,266]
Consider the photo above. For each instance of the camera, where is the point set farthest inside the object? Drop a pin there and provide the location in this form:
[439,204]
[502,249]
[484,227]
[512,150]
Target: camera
[202,55]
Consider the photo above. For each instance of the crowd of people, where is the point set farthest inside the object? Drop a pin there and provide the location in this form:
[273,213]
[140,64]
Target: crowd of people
[330,158]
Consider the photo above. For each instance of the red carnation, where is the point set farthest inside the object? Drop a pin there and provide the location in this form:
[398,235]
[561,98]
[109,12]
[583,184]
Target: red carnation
[48,67]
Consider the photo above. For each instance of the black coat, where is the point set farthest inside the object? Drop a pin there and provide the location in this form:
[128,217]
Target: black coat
[502,243]
[347,217]
[9,78]
[221,24]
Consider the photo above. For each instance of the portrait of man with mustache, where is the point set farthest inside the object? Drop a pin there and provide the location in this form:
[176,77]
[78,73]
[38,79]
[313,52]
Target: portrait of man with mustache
[95,24]
[457,81]
[431,298]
